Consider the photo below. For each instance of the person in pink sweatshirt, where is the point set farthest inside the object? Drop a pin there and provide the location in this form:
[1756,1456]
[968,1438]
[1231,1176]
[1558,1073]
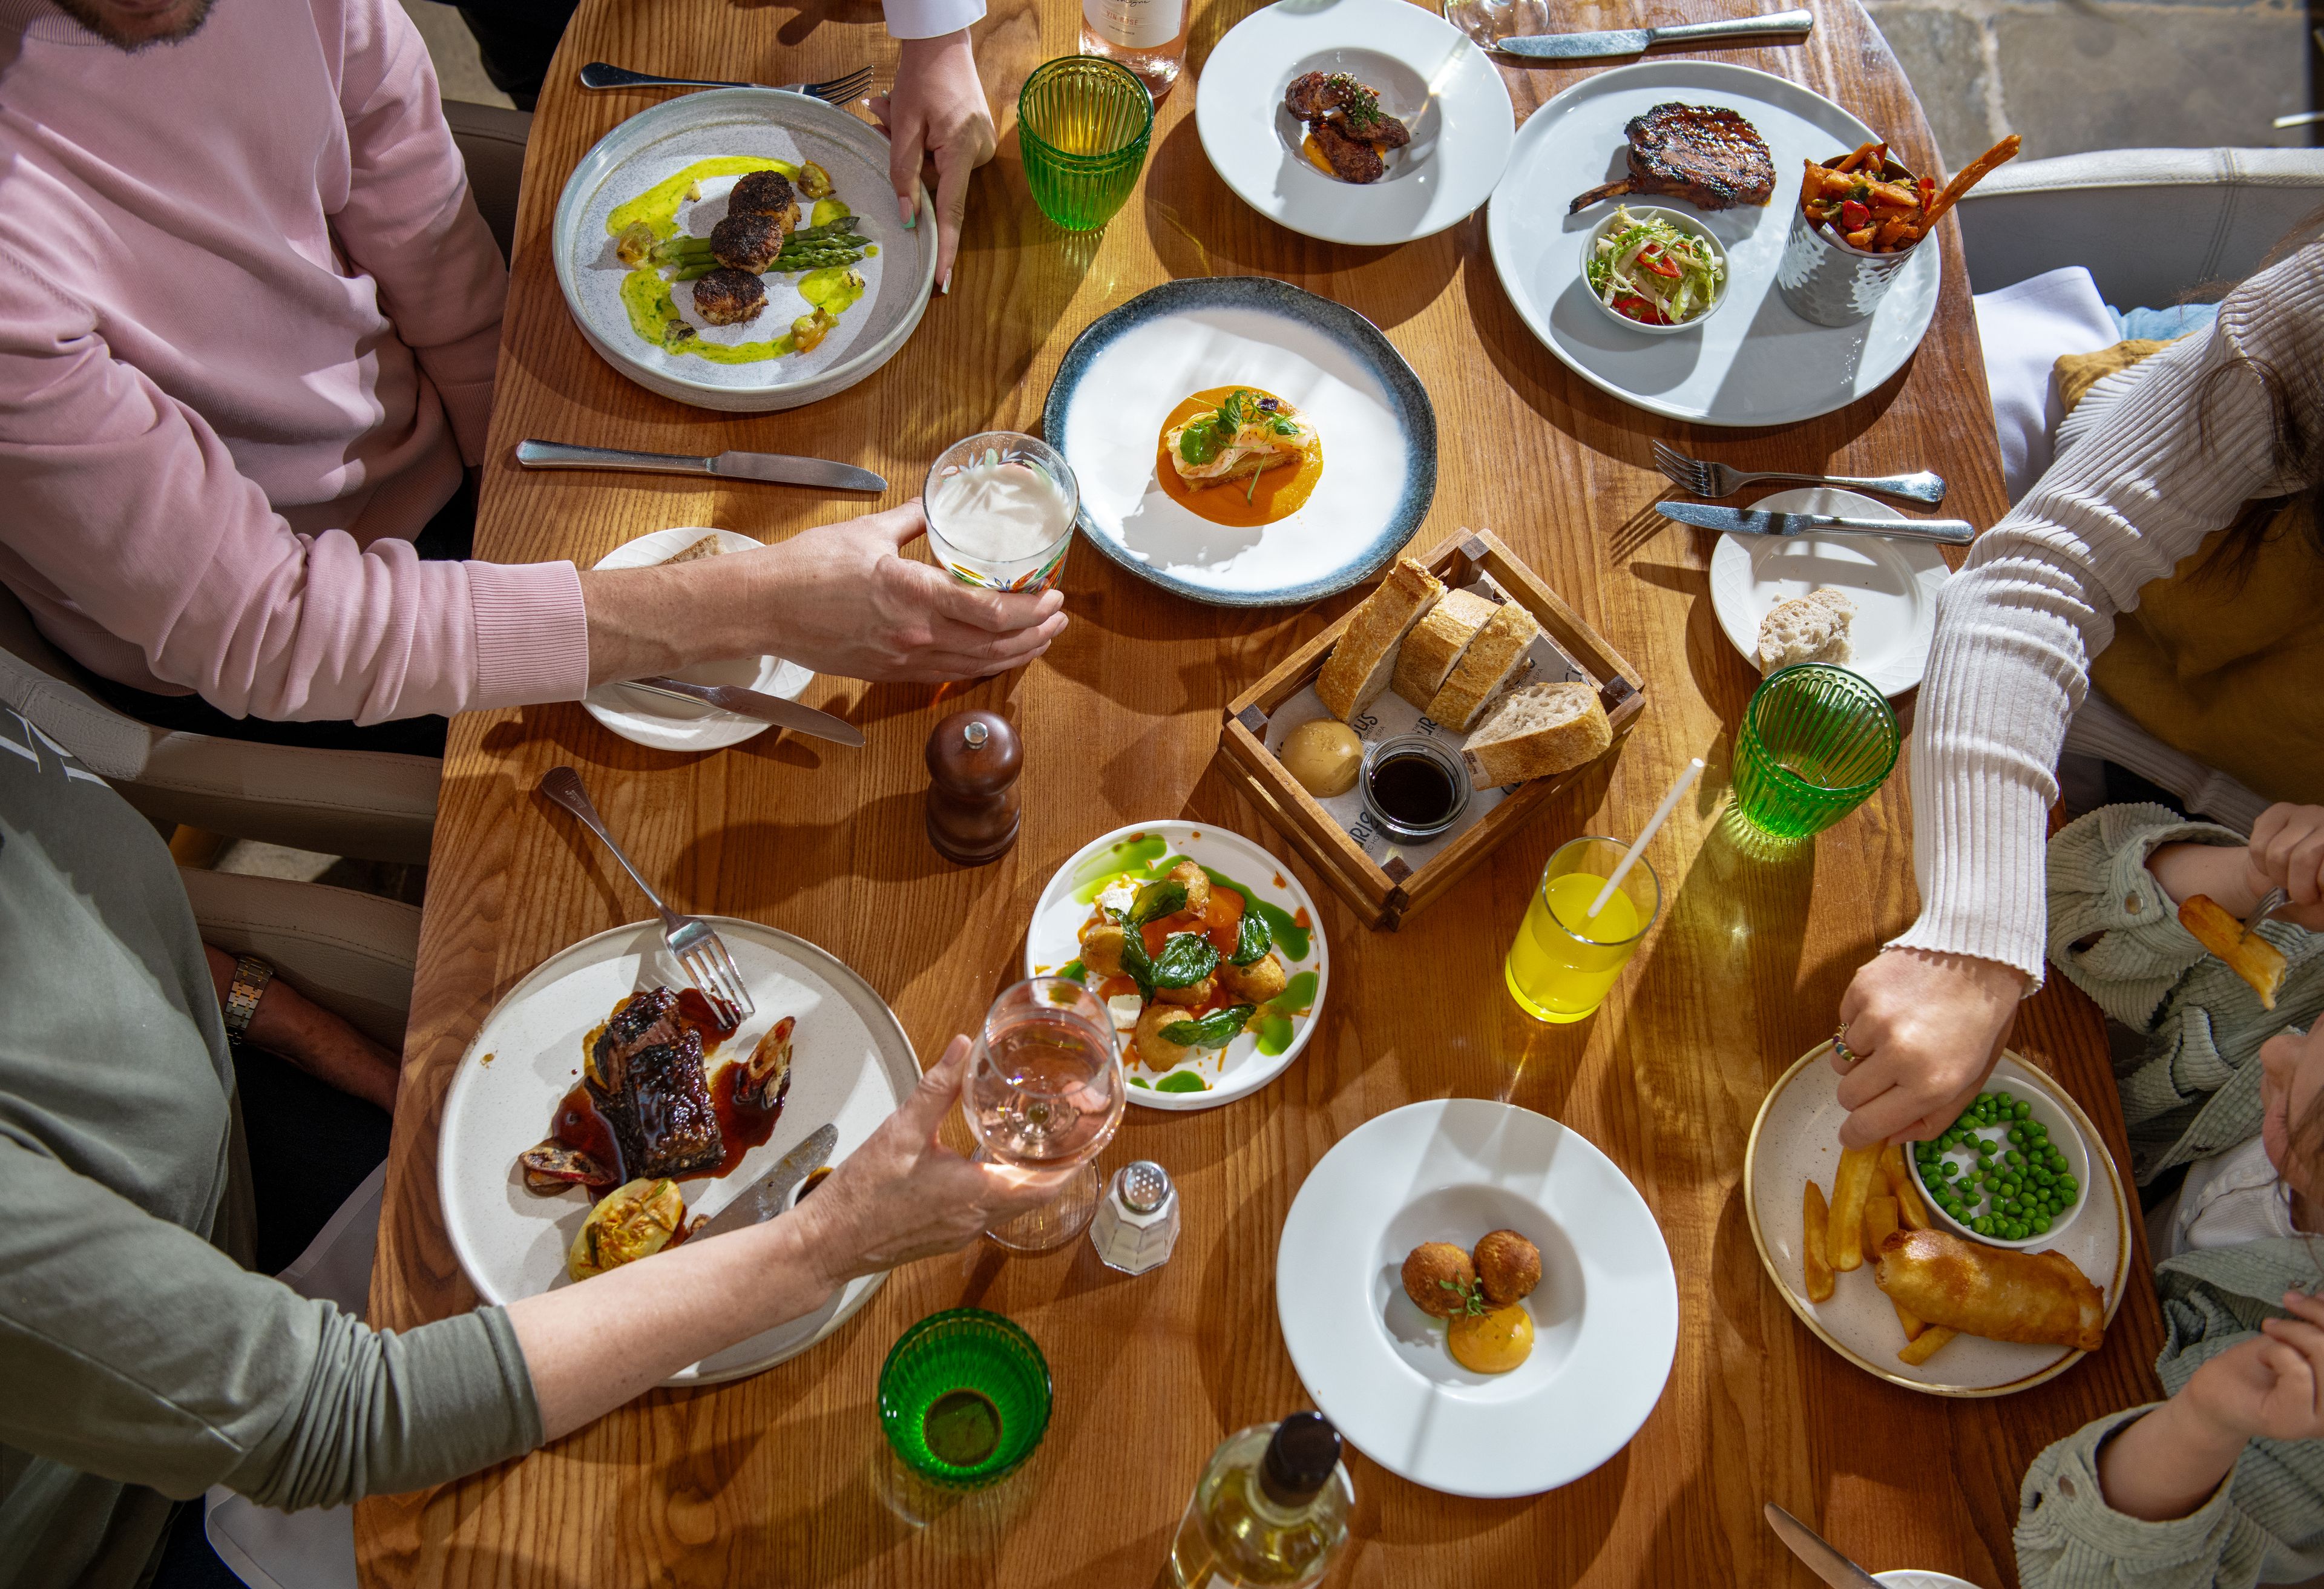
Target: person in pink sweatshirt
[248,320]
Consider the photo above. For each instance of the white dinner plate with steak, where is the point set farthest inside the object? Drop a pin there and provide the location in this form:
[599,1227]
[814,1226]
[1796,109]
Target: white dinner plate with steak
[850,1064]
[1753,363]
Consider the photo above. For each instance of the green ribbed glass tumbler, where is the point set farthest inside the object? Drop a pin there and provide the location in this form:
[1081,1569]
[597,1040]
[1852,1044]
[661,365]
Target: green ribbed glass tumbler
[1816,741]
[1082,128]
[964,1398]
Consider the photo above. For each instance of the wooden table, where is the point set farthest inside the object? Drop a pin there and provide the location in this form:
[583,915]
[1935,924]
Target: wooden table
[783,1479]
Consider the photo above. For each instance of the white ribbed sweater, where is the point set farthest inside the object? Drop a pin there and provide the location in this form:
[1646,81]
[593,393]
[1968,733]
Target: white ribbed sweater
[2134,492]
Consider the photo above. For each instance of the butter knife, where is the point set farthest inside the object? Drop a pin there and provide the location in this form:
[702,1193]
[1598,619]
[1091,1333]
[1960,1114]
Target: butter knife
[752,703]
[759,1203]
[1754,521]
[1631,41]
[726,466]
[1811,1547]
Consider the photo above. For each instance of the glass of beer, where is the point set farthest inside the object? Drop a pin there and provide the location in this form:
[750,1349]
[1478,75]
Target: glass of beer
[1564,958]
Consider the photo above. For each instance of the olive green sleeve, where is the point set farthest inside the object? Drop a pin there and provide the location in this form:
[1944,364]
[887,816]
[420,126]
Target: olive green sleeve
[135,1350]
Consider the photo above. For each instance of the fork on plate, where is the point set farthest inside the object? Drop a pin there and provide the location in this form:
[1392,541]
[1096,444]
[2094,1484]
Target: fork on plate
[1703,478]
[696,945]
[838,90]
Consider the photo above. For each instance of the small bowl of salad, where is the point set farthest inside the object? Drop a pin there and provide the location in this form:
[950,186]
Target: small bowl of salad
[1655,269]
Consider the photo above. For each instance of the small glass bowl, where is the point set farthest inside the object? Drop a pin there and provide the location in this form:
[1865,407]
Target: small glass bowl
[1425,746]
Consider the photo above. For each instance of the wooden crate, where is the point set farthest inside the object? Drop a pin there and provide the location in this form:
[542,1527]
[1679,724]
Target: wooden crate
[1384,896]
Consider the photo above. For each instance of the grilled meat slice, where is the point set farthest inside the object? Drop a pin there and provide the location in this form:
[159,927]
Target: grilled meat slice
[1312,96]
[768,193]
[1352,160]
[1706,155]
[642,1021]
[748,241]
[662,1116]
[1366,122]
[729,297]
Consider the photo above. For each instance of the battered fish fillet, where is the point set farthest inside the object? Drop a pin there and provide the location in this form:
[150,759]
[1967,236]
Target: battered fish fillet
[1272,433]
[2038,1298]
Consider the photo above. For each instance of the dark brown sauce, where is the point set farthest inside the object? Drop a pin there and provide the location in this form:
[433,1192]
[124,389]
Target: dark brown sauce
[740,1126]
[1410,788]
[579,1126]
[694,1011]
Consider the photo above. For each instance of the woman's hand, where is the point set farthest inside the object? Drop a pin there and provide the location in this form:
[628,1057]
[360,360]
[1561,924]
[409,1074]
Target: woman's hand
[936,110]
[1925,1030]
[2270,1388]
[904,1195]
[2287,851]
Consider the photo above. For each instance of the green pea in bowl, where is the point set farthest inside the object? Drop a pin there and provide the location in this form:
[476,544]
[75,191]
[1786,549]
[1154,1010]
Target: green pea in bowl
[2013,1171]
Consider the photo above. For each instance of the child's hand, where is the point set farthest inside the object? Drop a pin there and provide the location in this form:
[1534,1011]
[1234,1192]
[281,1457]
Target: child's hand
[2287,851]
[2272,1388]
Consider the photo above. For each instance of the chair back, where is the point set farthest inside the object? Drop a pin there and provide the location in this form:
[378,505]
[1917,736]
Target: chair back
[42,683]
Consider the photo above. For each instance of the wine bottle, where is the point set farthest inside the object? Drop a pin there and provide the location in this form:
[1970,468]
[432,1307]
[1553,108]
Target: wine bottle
[1146,36]
[1270,1511]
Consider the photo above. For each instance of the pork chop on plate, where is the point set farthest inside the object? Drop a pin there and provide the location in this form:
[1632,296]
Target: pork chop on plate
[1706,155]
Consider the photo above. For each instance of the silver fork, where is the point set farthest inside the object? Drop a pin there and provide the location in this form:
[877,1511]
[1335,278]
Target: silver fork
[1703,478]
[839,90]
[706,963]
[2273,900]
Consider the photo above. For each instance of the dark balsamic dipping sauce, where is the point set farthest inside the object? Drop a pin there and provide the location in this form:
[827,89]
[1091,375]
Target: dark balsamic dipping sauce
[1411,790]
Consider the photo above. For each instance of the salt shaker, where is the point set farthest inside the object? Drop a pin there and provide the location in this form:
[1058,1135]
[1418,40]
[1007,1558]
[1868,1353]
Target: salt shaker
[1137,1224]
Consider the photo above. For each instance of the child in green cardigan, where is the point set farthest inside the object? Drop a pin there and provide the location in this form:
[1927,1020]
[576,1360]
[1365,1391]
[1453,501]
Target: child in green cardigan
[2224,1482]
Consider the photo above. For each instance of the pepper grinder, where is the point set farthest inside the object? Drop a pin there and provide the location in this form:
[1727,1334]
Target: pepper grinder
[974,805]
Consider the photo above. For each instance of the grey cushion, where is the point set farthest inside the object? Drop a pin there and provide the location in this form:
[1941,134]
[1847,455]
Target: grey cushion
[492,145]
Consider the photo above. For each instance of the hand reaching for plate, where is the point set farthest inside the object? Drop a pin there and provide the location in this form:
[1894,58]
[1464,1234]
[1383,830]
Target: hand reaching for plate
[1924,1031]
[936,111]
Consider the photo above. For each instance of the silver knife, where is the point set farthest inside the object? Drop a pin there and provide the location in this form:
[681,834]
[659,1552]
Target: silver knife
[726,466]
[1754,522]
[759,1203]
[752,703]
[1631,41]
[1811,1547]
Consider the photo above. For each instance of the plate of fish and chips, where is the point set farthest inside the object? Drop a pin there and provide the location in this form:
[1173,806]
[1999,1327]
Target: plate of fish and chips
[1858,1296]
[602,1090]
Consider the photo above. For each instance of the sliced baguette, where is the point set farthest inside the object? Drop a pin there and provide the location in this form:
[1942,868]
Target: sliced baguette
[709,546]
[1493,665]
[1360,666]
[1811,628]
[1436,643]
[2249,956]
[1541,729]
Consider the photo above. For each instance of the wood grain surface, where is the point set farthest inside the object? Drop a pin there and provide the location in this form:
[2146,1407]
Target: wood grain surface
[784,1479]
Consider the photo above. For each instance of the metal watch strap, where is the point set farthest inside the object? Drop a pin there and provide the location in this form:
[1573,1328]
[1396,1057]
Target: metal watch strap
[251,975]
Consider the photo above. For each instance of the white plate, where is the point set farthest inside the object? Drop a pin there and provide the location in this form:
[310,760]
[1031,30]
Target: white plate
[1131,366]
[1893,583]
[1605,1314]
[1428,75]
[1053,939]
[1753,363]
[1796,1137]
[852,1065]
[767,124]
[680,725]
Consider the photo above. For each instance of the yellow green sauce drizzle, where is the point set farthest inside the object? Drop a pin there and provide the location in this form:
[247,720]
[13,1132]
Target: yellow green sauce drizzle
[645,291]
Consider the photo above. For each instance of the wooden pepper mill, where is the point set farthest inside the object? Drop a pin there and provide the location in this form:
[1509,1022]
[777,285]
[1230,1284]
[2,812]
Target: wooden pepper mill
[974,806]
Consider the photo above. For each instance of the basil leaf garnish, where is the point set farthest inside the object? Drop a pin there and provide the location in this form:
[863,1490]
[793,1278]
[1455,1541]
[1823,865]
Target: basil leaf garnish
[1200,441]
[1157,899]
[1214,1031]
[1252,938]
[1186,959]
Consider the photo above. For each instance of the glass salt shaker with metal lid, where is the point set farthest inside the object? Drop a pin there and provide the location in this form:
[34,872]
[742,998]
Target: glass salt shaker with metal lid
[1137,1224]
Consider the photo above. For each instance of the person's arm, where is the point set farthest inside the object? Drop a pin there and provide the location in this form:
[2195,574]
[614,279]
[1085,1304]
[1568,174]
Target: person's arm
[936,112]
[408,220]
[2113,924]
[287,1022]
[2009,664]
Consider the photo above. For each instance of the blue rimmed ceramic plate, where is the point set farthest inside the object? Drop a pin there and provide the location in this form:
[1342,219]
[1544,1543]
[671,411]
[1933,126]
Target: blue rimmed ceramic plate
[1124,374]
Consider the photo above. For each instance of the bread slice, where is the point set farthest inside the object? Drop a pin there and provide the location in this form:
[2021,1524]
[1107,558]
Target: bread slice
[2249,956]
[1494,664]
[1436,643]
[1538,730]
[1358,667]
[709,546]
[1811,628]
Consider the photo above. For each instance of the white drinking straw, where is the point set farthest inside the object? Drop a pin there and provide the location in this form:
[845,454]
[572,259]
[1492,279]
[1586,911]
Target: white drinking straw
[1684,781]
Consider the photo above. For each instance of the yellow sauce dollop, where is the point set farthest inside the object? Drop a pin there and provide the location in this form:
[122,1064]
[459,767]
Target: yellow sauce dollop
[1493,1342]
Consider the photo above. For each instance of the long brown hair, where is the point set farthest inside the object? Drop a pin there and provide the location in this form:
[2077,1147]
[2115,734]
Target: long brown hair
[2294,390]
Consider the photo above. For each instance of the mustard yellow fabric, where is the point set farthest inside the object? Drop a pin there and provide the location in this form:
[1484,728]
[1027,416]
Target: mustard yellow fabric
[2224,662]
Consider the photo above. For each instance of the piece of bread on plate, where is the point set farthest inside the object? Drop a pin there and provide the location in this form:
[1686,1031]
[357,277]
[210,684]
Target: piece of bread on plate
[1494,664]
[2249,956]
[1811,628]
[1360,666]
[1435,644]
[709,546]
[1541,729]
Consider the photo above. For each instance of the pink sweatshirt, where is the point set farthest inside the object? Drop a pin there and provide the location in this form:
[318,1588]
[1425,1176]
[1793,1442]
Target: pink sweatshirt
[248,319]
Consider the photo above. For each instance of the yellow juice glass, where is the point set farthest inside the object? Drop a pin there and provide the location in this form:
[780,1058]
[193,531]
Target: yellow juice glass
[1563,959]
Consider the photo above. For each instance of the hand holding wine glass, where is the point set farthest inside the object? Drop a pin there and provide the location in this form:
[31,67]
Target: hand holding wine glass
[1046,1092]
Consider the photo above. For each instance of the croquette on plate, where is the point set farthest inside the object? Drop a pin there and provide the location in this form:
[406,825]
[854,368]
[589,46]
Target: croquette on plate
[1428,1268]
[1508,1267]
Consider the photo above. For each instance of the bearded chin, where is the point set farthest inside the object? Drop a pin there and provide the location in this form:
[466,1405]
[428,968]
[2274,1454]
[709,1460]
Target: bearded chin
[133,33]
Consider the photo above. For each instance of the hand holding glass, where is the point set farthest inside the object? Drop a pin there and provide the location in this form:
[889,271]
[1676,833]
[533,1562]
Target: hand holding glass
[1045,1091]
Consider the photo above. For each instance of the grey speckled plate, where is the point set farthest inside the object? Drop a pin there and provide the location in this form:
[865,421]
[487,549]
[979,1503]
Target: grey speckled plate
[1130,367]
[769,124]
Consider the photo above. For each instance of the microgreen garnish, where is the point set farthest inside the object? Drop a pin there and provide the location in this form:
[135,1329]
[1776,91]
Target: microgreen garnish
[1472,1297]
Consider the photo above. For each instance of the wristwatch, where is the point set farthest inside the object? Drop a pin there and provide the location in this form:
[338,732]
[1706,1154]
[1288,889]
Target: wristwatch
[251,975]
